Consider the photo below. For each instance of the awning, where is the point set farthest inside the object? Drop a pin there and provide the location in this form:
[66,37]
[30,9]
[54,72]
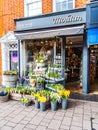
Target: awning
[49,33]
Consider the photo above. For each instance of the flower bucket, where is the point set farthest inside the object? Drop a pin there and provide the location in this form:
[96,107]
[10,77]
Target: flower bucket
[37,104]
[42,106]
[53,106]
[64,104]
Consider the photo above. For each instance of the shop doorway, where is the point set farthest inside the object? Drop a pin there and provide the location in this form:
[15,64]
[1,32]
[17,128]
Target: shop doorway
[94,69]
[73,63]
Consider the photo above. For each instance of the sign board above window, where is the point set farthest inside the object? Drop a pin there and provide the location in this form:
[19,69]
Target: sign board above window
[92,36]
[92,15]
[72,17]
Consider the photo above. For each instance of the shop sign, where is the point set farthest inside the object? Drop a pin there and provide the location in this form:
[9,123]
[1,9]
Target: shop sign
[51,20]
[68,19]
[92,36]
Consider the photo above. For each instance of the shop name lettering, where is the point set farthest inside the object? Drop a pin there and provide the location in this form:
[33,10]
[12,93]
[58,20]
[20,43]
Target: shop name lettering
[70,18]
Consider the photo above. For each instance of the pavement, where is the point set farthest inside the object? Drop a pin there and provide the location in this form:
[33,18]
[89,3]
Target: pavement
[80,115]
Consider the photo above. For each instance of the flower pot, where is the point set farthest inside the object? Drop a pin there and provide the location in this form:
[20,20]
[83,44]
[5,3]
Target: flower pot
[10,80]
[4,98]
[37,104]
[42,106]
[64,104]
[53,106]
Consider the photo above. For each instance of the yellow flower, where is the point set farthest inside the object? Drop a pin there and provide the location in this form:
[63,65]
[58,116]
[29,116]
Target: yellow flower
[36,95]
[64,93]
[61,92]
[42,99]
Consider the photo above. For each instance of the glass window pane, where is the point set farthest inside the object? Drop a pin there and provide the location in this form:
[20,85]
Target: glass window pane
[70,6]
[62,5]
[34,8]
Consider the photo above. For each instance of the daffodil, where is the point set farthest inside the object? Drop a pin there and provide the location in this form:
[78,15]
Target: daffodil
[42,99]
[64,93]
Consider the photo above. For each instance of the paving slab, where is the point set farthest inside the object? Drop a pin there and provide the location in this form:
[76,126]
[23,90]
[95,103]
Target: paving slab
[80,115]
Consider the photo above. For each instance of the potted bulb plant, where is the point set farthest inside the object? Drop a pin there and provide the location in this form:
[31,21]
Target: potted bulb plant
[64,94]
[54,97]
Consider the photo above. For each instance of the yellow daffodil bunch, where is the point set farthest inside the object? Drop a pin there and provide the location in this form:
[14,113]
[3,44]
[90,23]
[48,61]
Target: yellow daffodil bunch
[36,95]
[42,99]
[64,93]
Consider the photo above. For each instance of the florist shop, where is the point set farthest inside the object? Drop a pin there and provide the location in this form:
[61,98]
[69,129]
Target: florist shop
[54,46]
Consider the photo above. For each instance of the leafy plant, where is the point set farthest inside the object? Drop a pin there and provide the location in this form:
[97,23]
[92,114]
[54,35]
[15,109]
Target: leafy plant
[40,80]
[45,93]
[54,97]
[57,87]
[54,75]
[40,59]
[10,72]
[25,100]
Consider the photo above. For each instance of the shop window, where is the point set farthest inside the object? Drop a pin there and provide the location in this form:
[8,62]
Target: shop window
[33,7]
[61,5]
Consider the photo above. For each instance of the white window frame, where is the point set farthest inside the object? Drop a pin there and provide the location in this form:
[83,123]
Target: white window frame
[26,13]
[54,5]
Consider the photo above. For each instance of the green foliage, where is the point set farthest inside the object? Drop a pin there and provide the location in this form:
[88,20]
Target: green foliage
[57,87]
[40,80]
[25,100]
[10,72]
[53,75]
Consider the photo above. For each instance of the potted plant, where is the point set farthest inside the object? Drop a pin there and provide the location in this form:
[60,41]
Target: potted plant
[40,83]
[42,100]
[53,75]
[54,97]
[10,78]
[33,79]
[25,101]
[64,94]
[36,99]
[4,96]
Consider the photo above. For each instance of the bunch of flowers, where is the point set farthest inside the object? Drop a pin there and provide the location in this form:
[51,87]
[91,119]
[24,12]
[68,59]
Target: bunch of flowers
[54,97]
[42,99]
[36,95]
[64,94]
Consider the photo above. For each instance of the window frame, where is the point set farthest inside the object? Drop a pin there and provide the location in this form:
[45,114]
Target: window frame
[26,11]
[54,5]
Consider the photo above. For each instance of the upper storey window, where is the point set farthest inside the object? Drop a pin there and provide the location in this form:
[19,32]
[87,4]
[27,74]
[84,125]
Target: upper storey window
[61,5]
[33,7]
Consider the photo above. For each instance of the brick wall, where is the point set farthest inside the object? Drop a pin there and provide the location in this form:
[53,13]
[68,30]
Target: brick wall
[9,10]
[81,3]
[47,6]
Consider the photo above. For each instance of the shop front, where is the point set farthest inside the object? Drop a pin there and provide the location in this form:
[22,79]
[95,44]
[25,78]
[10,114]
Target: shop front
[54,42]
[92,41]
